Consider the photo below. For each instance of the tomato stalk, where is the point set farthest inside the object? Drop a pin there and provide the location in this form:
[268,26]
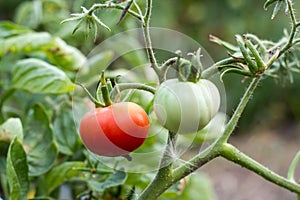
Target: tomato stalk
[103,91]
[196,66]
[93,99]
[139,86]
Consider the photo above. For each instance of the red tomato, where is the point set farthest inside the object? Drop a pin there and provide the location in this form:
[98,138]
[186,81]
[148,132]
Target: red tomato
[114,130]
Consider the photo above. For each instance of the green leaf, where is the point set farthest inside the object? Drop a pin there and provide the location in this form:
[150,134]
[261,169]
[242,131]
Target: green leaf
[29,42]
[11,128]
[37,76]
[29,13]
[54,48]
[115,179]
[61,54]
[95,64]
[199,187]
[8,29]
[39,140]
[2,165]
[17,171]
[42,198]
[65,130]
[61,174]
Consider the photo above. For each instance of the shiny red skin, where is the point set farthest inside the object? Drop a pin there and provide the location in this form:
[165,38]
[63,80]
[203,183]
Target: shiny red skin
[115,130]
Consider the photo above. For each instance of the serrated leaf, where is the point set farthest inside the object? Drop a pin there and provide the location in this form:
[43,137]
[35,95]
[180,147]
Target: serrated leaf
[65,132]
[17,171]
[115,179]
[39,141]
[61,174]
[37,76]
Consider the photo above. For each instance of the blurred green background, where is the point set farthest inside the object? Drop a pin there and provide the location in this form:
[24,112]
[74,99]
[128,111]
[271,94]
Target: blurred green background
[274,104]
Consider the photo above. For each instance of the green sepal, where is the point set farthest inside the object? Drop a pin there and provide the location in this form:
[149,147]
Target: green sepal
[220,42]
[259,42]
[250,63]
[259,61]
[102,92]
[93,99]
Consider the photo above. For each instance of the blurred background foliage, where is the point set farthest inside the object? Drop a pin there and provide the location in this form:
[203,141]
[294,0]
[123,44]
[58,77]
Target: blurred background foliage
[275,103]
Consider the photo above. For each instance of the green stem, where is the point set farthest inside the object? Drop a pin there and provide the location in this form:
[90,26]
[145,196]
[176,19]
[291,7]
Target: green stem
[148,41]
[292,168]
[209,72]
[102,91]
[295,24]
[164,176]
[239,110]
[231,153]
[93,99]
[139,86]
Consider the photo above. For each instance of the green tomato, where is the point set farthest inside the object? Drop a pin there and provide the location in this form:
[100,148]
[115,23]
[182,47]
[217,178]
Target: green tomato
[140,97]
[186,107]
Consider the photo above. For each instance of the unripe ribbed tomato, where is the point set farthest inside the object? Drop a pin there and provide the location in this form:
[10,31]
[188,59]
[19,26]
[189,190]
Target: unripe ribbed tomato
[186,107]
[114,130]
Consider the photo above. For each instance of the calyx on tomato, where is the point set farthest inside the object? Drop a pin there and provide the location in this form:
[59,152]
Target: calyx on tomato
[186,107]
[115,130]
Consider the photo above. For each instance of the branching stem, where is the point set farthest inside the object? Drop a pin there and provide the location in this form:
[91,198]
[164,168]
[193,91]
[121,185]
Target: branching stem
[148,41]
[115,6]
[295,25]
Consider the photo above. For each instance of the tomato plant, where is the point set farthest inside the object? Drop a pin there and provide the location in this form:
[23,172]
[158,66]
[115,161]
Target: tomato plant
[186,107]
[114,130]
[41,152]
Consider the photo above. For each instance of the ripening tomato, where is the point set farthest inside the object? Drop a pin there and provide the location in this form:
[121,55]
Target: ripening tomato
[114,130]
[186,107]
